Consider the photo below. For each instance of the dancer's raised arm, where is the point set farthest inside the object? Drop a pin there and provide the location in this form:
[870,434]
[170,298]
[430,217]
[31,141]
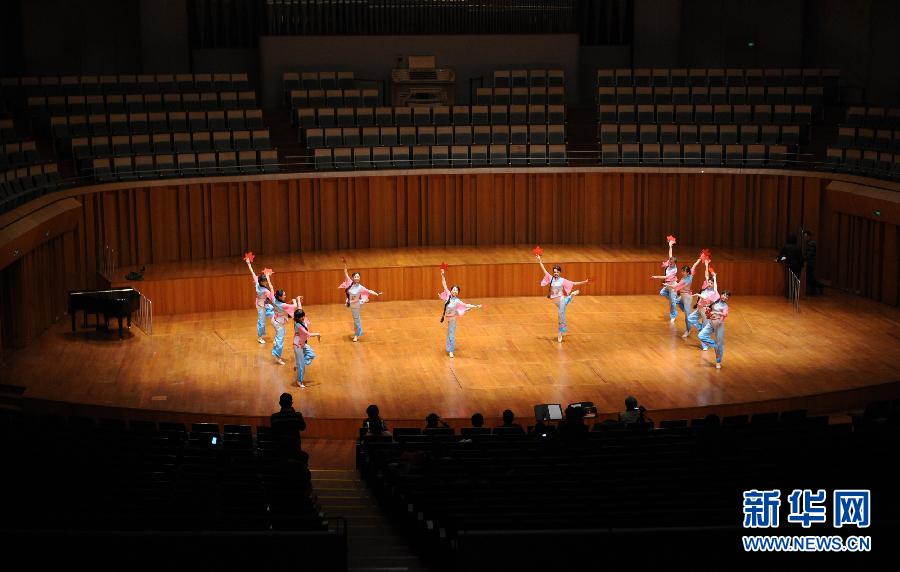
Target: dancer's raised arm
[444,280]
[541,262]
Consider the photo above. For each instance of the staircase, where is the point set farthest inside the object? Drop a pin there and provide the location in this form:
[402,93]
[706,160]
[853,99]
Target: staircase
[373,545]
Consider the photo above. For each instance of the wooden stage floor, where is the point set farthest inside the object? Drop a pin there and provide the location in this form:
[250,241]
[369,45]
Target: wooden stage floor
[507,356]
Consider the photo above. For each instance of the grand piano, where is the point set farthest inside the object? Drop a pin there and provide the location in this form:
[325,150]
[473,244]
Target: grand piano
[115,303]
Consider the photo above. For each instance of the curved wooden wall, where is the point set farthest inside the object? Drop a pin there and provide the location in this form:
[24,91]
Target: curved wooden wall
[161,221]
[217,219]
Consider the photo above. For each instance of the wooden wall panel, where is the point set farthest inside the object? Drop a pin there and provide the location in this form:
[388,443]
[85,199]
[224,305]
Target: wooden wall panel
[210,220]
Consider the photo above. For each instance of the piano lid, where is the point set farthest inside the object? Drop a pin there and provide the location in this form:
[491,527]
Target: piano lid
[110,291]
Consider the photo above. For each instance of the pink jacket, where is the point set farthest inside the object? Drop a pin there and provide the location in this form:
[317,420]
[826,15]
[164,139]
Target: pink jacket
[567,285]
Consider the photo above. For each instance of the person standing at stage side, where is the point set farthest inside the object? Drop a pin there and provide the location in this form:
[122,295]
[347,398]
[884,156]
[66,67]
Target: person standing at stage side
[357,295]
[707,296]
[792,255]
[264,299]
[560,293]
[713,332]
[454,308]
[670,278]
[809,256]
[303,352]
[683,291]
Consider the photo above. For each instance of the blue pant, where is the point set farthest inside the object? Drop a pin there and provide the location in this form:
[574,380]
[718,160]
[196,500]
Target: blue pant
[260,322]
[713,335]
[684,302]
[357,321]
[279,339]
[451,334]
[561,313]
[672,296]
[302,358]
[694,320]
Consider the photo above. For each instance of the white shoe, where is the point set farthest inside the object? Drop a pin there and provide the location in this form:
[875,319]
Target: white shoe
[559,338]
[718,366]
[261,340]
[355,338]
[686,335]
[279,361]
[302,386]
[672,320]
[704,349]
[451,354]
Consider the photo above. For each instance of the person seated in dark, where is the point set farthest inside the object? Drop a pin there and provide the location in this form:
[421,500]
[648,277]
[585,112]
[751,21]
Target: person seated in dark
[813,287]
[434,421]
[374,424]
[633,416]
[287,425]
[509,418]
[573,427]
[478,420]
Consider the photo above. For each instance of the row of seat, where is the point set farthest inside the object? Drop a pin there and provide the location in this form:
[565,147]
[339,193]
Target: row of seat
[530,78]
[721,114]
[713,155]
[404,157]
[316,138]
[318,80]
[867,137]
[437,115]
[23,184]
[873,116]
[725,134]
[86,148]
[41,106]
[716,77]
[520,95]
[18,154]
[333,98]
[7,131]
[122,84]
[715,95]
[868,162]
[184,165]
[63,127]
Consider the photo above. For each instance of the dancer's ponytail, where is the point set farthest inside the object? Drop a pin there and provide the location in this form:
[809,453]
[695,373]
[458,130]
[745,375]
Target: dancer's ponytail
[444,312]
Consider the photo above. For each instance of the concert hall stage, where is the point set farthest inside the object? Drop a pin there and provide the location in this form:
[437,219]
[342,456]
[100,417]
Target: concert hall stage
[837,354]
[412,274]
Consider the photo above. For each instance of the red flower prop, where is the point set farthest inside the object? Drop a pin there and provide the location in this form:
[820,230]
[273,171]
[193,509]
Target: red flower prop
[537,251]
[705,255]
[670,239]
[712,270]
[444,266]
[249,256]
[591,280]
[268,271]
[344,259]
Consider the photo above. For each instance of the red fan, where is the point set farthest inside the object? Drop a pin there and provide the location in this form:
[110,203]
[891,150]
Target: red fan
[444,266]
[537,251]
[705,255]
[249,256]
[591,280]
[344,259]
[268,271]
[670,239]
[712,270]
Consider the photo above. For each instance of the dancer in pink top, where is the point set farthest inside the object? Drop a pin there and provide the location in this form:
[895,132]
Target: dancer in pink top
[560,293]
[670,278]
[454,308]
[357,295]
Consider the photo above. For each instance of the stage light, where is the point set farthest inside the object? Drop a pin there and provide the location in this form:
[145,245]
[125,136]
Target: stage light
[751,44]
[877,212]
